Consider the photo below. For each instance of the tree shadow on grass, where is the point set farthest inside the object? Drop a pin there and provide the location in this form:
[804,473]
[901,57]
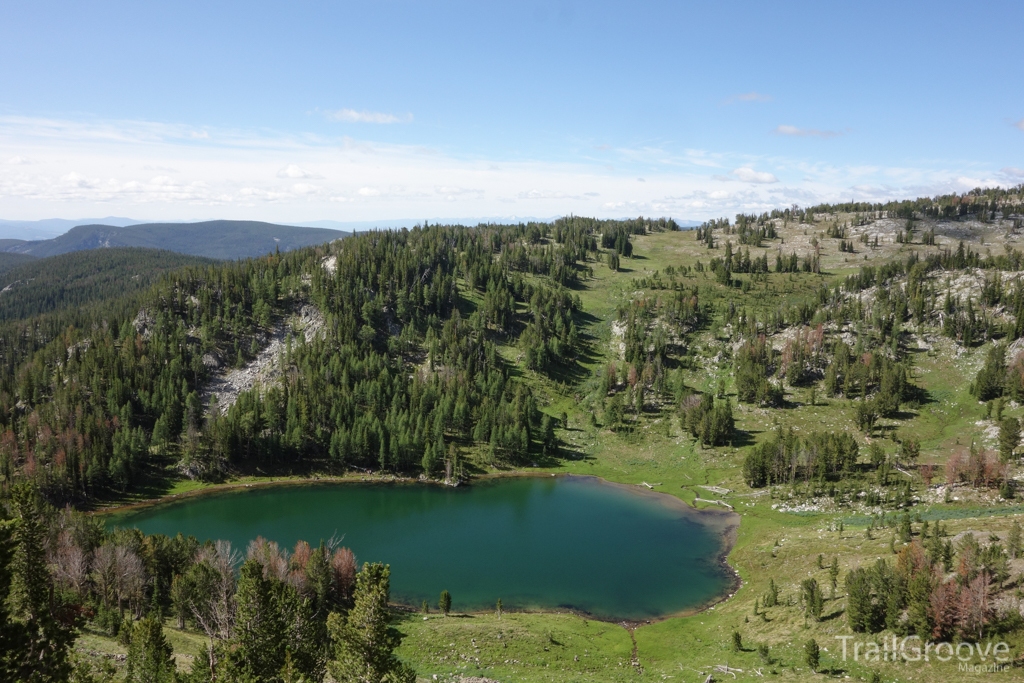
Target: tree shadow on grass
[575,454]
[745,437]
[834,615]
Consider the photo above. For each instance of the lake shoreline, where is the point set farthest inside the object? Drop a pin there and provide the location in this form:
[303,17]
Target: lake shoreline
[725,524]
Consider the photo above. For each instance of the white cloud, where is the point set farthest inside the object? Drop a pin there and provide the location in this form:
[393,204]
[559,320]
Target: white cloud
[161,171]
[75,180]
[544,194]
[749,97]
[1013,172]
[452,193]
[354,116]
[699,157]
[806,132]
[305,189]
[17,161]
[749,175]
[295,172]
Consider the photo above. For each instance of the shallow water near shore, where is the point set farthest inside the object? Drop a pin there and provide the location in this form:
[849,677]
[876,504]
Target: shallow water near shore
[544,543]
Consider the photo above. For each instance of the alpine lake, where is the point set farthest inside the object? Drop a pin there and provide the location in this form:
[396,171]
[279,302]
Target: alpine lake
[538,543]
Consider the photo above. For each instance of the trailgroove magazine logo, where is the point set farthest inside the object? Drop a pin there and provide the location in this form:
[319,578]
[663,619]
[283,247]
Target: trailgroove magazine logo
[987,657]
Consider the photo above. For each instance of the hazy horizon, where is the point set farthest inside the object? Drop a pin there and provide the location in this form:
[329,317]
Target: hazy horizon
[48,228]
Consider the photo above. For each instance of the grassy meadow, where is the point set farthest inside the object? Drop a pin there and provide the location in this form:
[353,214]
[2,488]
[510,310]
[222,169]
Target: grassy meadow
[783,530]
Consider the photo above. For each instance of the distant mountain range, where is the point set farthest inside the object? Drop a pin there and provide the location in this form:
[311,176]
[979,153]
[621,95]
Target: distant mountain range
[219,239]
[212,239]
[51,227]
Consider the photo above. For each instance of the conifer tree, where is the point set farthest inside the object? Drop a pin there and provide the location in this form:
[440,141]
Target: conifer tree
[445,602]
[1013,541]
[812,598]
[1009,437]
[363,642]
[47,640]
[259,628]
[812,655]
[11,633]
[772,597]
[149,655]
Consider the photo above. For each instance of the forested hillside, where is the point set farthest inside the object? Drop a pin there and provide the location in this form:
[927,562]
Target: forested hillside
[9,261]
[34,287]
[389,385]
[848,379]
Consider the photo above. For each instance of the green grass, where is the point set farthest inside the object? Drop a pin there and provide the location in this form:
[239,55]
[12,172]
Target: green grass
[769,544]
[656,451]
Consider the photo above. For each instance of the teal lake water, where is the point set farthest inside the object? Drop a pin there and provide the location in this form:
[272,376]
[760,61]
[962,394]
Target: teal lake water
[535,542]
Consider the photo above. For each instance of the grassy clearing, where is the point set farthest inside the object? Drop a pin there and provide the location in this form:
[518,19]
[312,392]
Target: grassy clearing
[770,545]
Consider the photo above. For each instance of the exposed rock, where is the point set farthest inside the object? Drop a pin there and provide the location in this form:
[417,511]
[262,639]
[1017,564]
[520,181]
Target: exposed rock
[143,322]
[262,370]
[266,368]
[82,346]
[311,323]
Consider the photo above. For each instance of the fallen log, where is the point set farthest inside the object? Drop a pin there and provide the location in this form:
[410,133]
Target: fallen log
[714,502]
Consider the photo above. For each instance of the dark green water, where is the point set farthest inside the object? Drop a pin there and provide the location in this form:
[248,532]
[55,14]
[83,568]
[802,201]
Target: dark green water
[534,542]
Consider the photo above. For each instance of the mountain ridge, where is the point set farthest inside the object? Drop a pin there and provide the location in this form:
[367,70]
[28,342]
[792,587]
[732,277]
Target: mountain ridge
[219,239]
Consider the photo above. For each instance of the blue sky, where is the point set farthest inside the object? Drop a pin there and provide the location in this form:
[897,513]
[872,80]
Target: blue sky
[363,111]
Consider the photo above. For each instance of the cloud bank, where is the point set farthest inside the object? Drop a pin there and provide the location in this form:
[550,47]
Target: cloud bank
[169,171]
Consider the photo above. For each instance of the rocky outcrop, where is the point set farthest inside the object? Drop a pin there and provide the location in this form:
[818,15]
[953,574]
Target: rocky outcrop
[224,387]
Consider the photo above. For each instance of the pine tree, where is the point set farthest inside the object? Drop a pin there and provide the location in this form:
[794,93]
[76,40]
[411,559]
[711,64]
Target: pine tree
[320,580]
[445,602]
[772,598]
[259,627]
[363,642]
[46,641]
[812,655]
[860,610]
[1013,541]
[812,598]
[613,260]
[12,634]
[1009,437]
[149,655]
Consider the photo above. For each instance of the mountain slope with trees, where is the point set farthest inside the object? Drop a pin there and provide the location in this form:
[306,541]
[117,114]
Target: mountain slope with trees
[212,239]
[36,287]
[848,379]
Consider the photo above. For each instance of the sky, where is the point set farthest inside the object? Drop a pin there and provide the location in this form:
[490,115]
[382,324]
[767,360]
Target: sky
[361,111]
